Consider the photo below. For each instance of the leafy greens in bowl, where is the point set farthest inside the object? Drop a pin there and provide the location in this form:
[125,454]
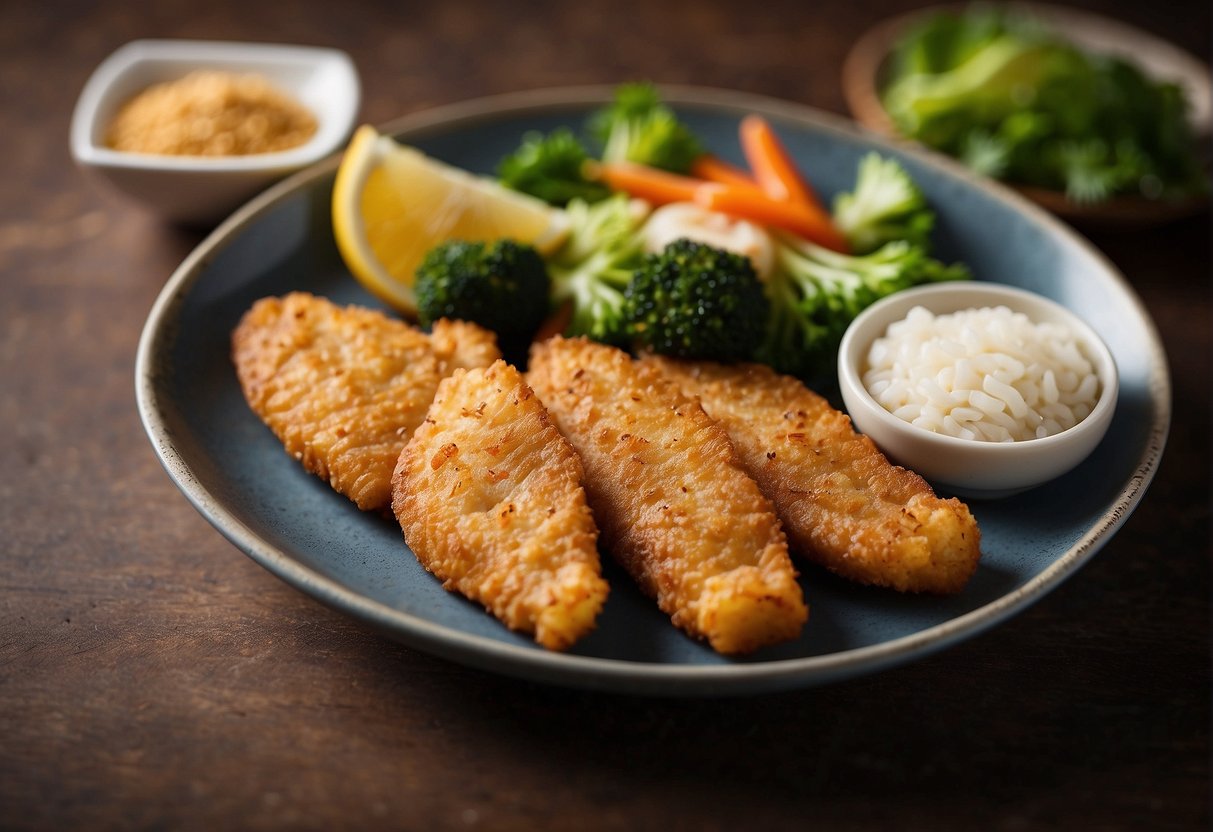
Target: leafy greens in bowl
[1059,103]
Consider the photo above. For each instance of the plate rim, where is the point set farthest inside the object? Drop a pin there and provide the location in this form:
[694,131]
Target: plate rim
[608,674]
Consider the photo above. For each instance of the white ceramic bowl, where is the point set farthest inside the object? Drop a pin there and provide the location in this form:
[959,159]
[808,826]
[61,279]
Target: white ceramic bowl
[194,189]
[972,468]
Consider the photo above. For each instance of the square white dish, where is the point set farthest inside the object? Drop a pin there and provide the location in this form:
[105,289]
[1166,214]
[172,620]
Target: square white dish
[202,189]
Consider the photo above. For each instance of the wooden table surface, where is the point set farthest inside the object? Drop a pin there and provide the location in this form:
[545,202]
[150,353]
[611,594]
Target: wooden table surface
[153,677]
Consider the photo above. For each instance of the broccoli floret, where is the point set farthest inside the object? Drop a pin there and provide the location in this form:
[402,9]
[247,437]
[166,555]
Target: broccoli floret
[886,205]
[502,286]
[595,264]
[693,300]
[815,294]
[638,127]
[551,167]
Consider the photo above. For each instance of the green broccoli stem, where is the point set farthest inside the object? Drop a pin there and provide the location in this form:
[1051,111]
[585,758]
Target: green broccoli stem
[815,293]
[821,276]
[618,143]
[592,269]
[596,288]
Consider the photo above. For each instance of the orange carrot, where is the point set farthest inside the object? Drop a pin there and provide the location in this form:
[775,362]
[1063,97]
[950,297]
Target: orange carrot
[772,166]
[778,177]
[715,169]
[653,184]
[745,201]
[749,204]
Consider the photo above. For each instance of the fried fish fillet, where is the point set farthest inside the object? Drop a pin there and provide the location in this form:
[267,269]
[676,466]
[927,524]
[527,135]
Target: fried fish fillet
[344,387]
[842,503]
[490,498]
[673,504]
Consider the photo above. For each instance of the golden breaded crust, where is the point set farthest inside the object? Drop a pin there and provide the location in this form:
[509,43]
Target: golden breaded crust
[842,503]
[460,344]
[341,387]
[490,498]
[673,505]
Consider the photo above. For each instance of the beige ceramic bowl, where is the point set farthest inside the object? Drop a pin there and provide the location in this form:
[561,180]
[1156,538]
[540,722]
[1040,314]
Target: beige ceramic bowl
[200,190]
[968,467]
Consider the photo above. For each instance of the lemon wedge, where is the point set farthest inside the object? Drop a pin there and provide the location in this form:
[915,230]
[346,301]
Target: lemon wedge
[392,204]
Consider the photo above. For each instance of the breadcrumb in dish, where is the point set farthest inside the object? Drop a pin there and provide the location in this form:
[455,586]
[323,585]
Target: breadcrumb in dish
[211,113]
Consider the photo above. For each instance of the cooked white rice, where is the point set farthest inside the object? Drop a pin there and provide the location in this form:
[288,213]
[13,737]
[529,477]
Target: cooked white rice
[987,374]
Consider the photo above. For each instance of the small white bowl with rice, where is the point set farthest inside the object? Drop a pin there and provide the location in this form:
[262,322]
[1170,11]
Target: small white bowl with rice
[985,390]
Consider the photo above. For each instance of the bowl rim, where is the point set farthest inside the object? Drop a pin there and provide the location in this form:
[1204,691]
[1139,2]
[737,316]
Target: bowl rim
[856,341]
[335,117]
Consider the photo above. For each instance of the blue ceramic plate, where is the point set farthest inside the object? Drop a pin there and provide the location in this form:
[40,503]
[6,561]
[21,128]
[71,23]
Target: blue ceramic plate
[237,475]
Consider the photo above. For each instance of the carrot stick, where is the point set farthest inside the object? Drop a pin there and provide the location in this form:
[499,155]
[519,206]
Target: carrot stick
[747,203]
[653,184]
[715,169]
[778,177]
[772,166]
[741,200]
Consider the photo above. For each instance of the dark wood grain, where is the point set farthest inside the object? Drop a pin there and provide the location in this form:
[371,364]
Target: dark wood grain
[153,677]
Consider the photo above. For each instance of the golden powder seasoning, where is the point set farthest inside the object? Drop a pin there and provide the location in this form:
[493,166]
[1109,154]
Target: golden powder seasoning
[211,113]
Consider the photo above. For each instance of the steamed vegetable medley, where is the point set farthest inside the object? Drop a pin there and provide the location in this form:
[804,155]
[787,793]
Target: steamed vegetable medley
[670,248]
